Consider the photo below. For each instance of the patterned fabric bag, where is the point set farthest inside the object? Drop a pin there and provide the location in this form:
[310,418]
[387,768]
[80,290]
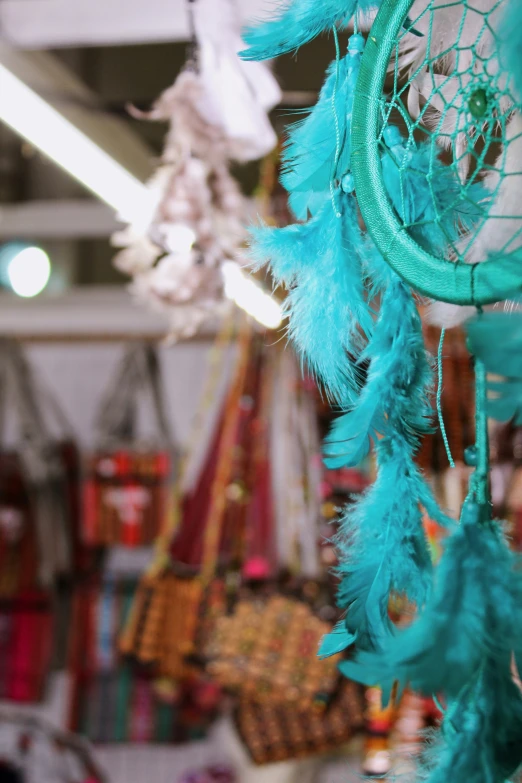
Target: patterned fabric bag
[128,482]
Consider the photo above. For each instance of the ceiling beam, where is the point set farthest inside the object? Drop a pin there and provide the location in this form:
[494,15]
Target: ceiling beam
[51,24]
[86,313]
[57,219]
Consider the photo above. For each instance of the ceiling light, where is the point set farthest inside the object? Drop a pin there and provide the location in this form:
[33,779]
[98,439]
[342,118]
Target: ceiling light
[26,270]
[39,123]
[242,289]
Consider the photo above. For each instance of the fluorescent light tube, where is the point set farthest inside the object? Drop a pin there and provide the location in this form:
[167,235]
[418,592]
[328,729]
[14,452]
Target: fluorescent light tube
[39,123]
[242,289]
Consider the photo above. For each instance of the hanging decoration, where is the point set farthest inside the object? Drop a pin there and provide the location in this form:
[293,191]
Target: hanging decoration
[179,256]
[129,477]
[407,180]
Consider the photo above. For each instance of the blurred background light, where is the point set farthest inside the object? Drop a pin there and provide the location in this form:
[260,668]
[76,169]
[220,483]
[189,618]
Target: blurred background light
[25,269]
[242,289]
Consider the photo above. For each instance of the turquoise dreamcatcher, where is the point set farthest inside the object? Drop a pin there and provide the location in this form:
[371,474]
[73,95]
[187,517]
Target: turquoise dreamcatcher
[405,179]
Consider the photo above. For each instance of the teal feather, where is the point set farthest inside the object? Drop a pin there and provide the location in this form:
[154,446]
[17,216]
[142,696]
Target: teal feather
[396,394]
[510,42]
[505,403]
[336,641]
[427,194]
[297,23]
[480,737]
[496,339]
[467,618]
[315,154]
[320,263]
[381,544]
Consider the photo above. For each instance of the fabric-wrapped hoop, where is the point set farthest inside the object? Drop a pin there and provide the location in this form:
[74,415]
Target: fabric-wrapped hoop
[497,278]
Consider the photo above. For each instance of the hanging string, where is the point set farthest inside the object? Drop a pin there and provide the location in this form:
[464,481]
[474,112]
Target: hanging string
[192,49]
[481,475]
[439,399]
[336,120]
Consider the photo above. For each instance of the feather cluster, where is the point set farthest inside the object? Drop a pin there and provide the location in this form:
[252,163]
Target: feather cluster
[297,23]
[479,739]
[356,324]
[467,618]
[320,263]
[382,546]
[314,156]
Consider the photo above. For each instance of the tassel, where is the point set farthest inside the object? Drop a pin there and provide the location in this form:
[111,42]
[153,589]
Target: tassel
[299,22]
[475,612]
[315,155]
[320,263]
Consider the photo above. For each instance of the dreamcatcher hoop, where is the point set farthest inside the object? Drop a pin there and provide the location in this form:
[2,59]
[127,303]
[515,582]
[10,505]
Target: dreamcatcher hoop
[493,280]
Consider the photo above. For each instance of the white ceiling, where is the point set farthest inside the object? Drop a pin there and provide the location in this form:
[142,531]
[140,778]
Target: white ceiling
[47,24]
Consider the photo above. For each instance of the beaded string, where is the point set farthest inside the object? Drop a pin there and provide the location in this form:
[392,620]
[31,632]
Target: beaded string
[439,399]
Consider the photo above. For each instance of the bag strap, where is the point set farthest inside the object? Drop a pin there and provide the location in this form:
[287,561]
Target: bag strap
[41,463]
[116,415]
[139,370]
[4,389]
[22,386]
[150,379]
[50,403]
[163,544]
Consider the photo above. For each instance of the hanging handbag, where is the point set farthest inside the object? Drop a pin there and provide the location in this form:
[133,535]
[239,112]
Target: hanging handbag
[163,624]
[128,481]
[283,731]
[36,472]
[19,553]
[26,645]
[112,700]
[155,694]
[266,651]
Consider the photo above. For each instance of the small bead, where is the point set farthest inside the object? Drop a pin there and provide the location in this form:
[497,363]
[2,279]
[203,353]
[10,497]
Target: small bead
[470,456]
[347,183]
[356,44]
[478,103]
